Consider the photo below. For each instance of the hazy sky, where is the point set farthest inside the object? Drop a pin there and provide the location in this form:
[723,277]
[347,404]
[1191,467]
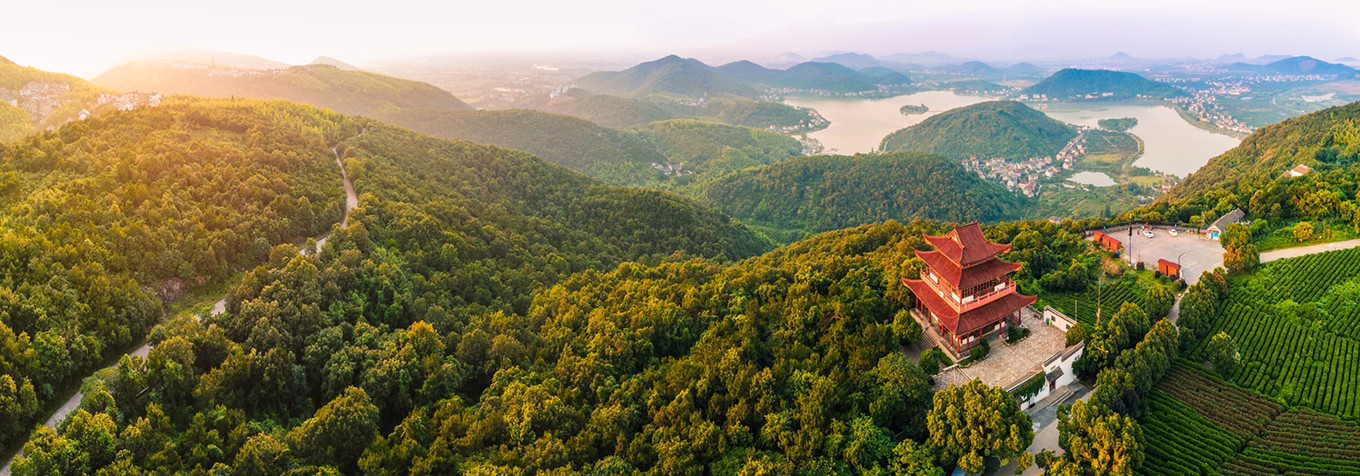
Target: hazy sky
[85,37]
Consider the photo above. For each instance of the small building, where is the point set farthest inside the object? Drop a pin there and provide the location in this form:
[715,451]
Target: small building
[1298,171]
[1169,269]
[964,290]
[1108,242]
[1218,226]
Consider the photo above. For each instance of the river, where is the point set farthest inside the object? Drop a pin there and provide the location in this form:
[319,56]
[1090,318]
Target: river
[1171,145]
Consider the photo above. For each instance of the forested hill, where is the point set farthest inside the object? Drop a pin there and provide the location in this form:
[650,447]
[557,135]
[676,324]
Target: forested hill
[1072,84]
[104,215]
[1319,139]
[616,111]
[694,150]
[806,195]
[994,129]
[573,143]
[671,76]
[348,92]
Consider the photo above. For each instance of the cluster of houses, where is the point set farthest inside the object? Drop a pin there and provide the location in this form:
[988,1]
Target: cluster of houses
[42,99]
[1203,104]
[814,121]
[39,99]
[776,94]
[1024,176]
[674,169]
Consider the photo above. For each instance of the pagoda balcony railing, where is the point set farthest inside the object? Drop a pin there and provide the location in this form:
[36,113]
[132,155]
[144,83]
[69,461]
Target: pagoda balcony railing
[965,303]
[1006,286]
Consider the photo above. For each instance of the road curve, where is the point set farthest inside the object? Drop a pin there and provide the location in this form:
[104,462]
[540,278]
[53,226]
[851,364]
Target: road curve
[1273,255]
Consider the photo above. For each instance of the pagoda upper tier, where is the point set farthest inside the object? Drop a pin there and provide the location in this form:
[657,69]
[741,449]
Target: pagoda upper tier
[966,246]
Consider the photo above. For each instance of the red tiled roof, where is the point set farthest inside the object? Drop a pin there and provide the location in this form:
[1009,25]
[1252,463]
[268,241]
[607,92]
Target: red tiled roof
[973,319]
[966,246]
[964,278]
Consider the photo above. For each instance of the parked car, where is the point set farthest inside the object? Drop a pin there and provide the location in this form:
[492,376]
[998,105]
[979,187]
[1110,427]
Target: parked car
[1172,232]
[1147,233]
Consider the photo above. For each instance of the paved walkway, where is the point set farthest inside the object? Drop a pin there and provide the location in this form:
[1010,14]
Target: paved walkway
[1296,252]
[1044,417]
[1011,364]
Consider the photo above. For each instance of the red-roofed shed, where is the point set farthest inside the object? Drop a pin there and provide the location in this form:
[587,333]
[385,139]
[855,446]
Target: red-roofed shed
[1168,268]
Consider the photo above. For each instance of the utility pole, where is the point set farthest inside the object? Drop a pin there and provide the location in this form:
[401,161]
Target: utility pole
[1100,286]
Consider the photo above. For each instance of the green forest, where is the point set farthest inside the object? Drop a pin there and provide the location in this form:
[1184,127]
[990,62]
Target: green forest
[807,195]
[108,221]
[1004,129]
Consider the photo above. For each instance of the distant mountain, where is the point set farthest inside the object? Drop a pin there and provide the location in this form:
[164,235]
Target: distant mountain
[882,75]
[1121,57]
[850,60]
[615,111]
[1315,139]
[825,76]
[1023,70]
[806,195]
[971,68]
[348,92]
[220,59]
[1267,59]
[1231,58]
[1296,65]
[830,77]
[671,76]
[1004,129]
[747,72]
[1348,61]
[1100,85]
[343,66]
[927,58]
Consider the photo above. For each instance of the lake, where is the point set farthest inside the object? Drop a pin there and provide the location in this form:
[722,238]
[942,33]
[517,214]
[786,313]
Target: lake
[1170,144]
[1092,178]
[859,125]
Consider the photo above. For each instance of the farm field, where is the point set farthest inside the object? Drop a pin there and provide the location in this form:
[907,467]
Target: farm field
[1237,431]
[1297,325]
[1082,306]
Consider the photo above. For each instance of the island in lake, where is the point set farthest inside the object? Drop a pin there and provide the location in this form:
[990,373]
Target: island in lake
[909,109]
[1118,125]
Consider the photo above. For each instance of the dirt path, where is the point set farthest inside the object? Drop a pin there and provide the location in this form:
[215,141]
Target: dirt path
[351,201]
[1273,255]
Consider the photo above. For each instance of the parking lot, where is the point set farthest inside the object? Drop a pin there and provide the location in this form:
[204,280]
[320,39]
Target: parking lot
[1195,253]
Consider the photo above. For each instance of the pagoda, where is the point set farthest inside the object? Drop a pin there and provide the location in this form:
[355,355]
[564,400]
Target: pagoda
[964,291]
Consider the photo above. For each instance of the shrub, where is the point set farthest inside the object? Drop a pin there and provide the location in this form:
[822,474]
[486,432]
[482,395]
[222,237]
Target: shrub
[1077,333]
[1016,333]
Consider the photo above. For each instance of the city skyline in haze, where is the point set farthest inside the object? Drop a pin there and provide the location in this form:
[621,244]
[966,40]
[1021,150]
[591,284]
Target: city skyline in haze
[86,38]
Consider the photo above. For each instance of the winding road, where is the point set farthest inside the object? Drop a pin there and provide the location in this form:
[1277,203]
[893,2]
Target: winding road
[351,201]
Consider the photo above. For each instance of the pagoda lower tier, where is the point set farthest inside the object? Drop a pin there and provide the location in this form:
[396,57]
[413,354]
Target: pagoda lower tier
[965,330]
